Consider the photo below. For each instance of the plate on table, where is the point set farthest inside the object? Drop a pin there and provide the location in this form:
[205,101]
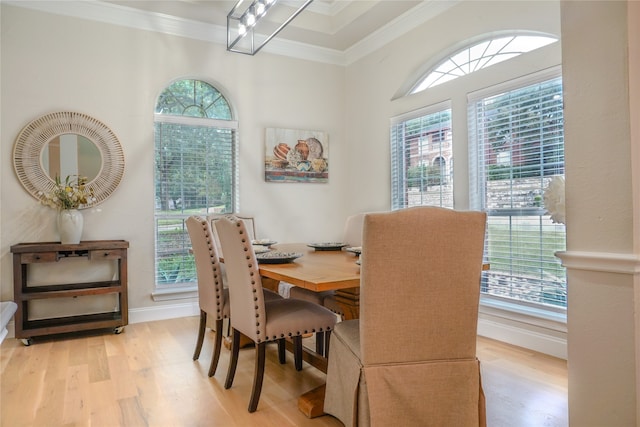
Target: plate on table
[329,246]
[274,257]
[263,242]
[260,249]
[354,249]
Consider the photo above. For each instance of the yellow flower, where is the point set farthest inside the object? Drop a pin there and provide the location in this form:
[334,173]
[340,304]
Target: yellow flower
[73,194]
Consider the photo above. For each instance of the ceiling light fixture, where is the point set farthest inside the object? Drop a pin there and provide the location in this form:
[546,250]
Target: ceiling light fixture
[242,23]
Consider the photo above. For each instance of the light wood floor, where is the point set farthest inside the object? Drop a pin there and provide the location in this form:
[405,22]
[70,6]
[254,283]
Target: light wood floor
[145,377]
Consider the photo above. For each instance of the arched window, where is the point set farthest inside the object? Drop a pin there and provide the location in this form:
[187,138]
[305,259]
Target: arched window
[513,133]
[195,170]
[479,56]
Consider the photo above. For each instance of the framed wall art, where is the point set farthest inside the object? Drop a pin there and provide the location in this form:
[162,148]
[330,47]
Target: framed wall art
[293,155]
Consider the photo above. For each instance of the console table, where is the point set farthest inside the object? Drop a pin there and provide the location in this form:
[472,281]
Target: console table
[26,254]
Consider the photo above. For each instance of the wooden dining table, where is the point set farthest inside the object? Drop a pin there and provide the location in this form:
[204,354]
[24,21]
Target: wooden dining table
[318,271]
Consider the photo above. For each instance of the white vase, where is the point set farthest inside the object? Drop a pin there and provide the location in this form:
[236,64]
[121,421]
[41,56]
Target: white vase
[70,224]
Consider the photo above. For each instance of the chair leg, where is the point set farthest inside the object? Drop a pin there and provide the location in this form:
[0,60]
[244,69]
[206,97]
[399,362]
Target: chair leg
[327,340]
[201,329]
[297,352]
[282,353]
[216,349]
[233,363]
[258,376]
[320,343]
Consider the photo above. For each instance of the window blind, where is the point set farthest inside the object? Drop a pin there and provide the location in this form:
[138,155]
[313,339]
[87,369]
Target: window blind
[516,148]
[422,160]
[195,174]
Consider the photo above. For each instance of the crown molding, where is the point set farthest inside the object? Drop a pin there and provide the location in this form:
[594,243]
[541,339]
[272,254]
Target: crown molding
[151,21]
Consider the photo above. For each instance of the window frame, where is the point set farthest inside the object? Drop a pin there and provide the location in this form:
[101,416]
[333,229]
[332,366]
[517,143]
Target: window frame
[399,170]
[168,291]
[547,314]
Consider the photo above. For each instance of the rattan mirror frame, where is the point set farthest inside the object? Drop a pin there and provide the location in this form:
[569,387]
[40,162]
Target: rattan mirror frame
[34,137]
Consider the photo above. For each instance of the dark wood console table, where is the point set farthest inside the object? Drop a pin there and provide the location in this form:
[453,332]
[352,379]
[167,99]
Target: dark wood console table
[25,254]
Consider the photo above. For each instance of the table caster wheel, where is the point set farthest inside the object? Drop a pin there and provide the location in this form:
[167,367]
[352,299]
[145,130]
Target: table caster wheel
[27,341]
[118,330]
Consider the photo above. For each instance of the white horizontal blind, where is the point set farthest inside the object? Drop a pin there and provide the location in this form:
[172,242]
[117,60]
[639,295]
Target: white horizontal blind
[195,174]
[517,147]
[422,160]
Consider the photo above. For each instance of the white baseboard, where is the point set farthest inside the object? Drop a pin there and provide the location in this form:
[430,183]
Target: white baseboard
[148,314]
[543,343]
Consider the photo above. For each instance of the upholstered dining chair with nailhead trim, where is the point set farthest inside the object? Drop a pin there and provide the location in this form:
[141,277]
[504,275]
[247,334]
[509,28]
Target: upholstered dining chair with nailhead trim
[252,315]
[213,297]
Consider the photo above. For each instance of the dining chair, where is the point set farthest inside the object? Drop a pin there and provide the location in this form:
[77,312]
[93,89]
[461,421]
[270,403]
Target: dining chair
[249,221]
[410,359]
[262,320]
[213,297]
[352,236]
[353,230]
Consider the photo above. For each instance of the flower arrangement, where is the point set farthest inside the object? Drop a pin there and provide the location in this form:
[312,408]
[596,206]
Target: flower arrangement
[554,200]
[72,194]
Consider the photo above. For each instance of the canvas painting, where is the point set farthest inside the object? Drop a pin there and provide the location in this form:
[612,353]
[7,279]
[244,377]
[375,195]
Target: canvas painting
[293,155]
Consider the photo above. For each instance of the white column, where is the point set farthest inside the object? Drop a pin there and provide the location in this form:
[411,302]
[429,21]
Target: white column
[601,259]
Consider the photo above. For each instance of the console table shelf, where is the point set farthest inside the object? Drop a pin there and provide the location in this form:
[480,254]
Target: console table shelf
[25,254]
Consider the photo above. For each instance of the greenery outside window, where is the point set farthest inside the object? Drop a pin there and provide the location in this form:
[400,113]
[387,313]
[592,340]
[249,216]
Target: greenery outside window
[422,159]
[195,171]
[516,141]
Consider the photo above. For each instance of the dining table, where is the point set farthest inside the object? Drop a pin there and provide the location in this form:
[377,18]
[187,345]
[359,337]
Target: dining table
[329,268]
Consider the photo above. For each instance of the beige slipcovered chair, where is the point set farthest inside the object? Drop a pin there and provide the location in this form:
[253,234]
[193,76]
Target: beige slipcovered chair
[213,297]
[252,315]
[421,267]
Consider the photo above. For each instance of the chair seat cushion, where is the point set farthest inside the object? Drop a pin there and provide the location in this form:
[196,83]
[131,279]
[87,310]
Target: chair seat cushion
[226,309]
[292,317]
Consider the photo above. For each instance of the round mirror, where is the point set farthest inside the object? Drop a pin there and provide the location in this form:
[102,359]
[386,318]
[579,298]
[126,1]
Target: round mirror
[71,154]
[68,143]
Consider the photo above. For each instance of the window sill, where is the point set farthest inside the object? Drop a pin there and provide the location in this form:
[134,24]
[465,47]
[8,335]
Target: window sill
[551,319]
[175,293]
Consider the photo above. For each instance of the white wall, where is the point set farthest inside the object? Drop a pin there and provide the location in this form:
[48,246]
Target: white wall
[56,63]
